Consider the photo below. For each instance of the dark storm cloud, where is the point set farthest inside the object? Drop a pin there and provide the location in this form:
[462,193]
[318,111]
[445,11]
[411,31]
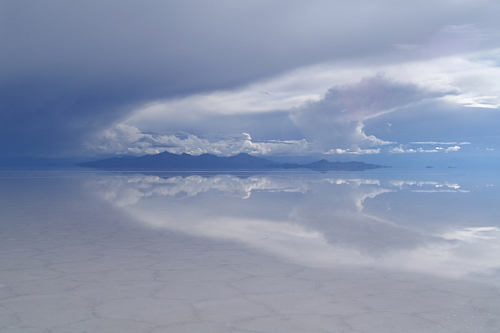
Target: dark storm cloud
[68,69]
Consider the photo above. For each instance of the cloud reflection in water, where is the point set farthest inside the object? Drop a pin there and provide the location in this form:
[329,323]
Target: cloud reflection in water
[317,220]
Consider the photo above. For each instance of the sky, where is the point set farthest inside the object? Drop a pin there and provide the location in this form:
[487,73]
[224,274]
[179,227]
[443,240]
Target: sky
[359,79]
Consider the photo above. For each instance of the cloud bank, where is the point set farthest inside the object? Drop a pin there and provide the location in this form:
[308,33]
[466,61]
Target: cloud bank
[124,139]
[337,119]
[400,150]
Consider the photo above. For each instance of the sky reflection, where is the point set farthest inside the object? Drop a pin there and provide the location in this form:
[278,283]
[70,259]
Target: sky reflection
[439,226]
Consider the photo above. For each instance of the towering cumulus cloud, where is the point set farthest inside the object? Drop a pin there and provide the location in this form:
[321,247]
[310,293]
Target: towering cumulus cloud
[337,119]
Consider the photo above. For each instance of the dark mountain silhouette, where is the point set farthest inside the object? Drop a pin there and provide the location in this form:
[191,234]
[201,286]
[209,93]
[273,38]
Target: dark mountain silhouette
[173,162]
[169,161]
[324,165]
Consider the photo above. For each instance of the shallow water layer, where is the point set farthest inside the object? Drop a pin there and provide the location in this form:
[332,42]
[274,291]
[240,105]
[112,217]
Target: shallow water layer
[271,252]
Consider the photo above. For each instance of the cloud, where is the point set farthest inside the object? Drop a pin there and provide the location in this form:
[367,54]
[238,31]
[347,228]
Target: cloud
[442,81]
[341,232]
[455,39]
[129,190]
[480,102]
[124,139]
[440,191]
[401,150]
[337,119]
[355,150]
[433,143]
[446,150]
[69,70]
[324,130]
[408,184]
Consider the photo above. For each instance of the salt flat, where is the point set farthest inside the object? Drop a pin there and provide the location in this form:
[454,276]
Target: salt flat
[274,252]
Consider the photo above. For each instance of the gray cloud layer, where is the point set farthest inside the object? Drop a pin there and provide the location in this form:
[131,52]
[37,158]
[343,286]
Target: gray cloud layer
[69,69]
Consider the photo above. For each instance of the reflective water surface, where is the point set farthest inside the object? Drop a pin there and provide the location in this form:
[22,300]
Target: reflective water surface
[377,251]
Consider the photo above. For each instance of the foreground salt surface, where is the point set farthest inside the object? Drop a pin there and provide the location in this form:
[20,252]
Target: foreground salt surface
[279,252]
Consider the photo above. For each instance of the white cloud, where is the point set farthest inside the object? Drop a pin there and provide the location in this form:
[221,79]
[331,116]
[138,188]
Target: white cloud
[401,150]
[433,143]
[333,122]
[283,92]
[129,190]
[353,150]
[469,79]
[337,119]
[440,191]
[124,139]
[480,102]
[128,140]
[454,148]
[302,237]
[408,184]
[446,150]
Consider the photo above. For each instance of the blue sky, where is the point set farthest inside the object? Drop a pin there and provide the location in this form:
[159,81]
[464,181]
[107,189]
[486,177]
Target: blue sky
[342,80]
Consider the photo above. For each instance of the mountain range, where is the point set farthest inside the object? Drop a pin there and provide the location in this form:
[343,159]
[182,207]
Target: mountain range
[174,162]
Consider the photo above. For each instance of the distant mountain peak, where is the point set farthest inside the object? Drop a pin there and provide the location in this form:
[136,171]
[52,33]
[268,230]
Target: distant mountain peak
[166,161]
